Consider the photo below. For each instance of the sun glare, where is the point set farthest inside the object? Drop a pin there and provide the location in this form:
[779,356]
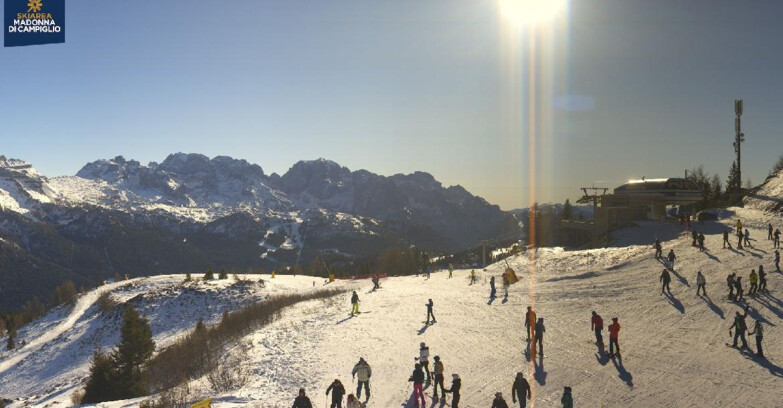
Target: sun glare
[530,12]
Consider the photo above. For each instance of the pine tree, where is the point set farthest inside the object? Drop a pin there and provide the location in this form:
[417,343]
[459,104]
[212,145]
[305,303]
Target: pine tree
[568,211]
[11,338]
[135,348]
[223,274]
[103,379]
[188,278]
[732,182]
[209,275]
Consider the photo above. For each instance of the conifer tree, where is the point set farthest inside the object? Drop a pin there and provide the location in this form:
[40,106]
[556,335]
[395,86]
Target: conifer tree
[568,212]
[135,348]
[732,182]
[223,274]
[209,275]
[102,382]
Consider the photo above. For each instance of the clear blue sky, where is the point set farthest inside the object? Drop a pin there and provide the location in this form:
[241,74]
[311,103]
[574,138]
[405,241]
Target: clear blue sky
[399,86]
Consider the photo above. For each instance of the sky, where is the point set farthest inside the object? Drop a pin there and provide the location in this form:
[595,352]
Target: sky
[607,91]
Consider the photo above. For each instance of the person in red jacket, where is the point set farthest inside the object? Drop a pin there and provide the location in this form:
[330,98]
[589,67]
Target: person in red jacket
[597,324]
[614,330]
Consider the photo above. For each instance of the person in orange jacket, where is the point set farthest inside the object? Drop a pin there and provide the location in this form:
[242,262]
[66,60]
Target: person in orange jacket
[614,330]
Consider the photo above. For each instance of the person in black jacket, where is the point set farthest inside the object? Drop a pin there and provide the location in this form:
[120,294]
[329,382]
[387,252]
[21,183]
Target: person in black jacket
[418,382]
[520,390]
[499,402]
[492,287]
[429,312]
[302,401]
[665,279]
[456,384]
[726,239]
[337,395]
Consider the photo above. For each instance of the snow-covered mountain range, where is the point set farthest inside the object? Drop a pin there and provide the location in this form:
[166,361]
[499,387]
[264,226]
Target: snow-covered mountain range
[189,212]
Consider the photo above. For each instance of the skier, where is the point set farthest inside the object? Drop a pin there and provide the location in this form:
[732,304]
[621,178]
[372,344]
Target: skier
[424,360]
[530,322]
[429,272]
[758,330]
[666,279]
[438,371]
[671,257]
[730,282]
[747,238]
[337,395]
[700,217]
[352,402]
[762,279]
[777,238]
[355,303]
[302,401]
[695,236]
[418,380]
[492,287]
[739,227]
[769,231]
[777,260]
[597,325]
[614,331]
[472,276]
[364,372]
[738,287]
[567,400]
[520,390]
[429,312]
[451,269]
[740,327]
[754,281]
[700,282]
[540,329]
[701,242]
[740,236]
[506,284]
[499,402]
[658,248]
[456,384]
[726,239]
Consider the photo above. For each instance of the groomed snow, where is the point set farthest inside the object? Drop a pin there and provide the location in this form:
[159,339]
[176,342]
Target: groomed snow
[674,352]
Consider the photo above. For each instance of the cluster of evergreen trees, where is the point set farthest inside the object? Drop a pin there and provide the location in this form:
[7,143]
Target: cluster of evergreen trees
[33,309]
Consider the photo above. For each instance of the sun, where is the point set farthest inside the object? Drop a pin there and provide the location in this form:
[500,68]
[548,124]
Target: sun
[530,12]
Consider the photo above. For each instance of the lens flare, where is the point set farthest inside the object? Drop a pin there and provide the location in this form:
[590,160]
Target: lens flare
[530,12]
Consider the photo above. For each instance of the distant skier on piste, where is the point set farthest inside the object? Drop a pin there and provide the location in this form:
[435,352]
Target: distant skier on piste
[429,312]
[614,334]
[354,303]
[700,283]
[730,283]
[754,282]
[520,390]
[747,238]
[658,248]
[597,325]
[758,330]
[418,382]
[472,276]
[302,401]
[726,239]
[506,285]
[671,258]
[451,269]
[362,372]
[769,231]
[424,359]
[776,235]
[456,384]
[701,242]
[665,279]
[492,287]
[695,236]
[762,279]
[499,402]
[738,288]
[740,327]
[777,260]
[540,329]
[530,322]
[437,370]
[567,400]
[338,391]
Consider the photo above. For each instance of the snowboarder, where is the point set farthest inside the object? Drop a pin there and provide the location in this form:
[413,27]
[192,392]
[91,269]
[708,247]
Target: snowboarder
[658,248]
[492,287]
[701,241]
[520,390]
[695,236]
[418,381]
[530,322]
[665,279]
[730,282]
[337,395]
[424,359]
[614,331]
[354,303]
[738,287]
[758,330]
[762,279]
[540,329]
[499,402]
[754,282]
[597,325]
[769,231]
[472,276]
[352,402]
[726,239]
[747,238]
[451,269]
[777,260]
[456,384]
[506,284]
[740,327]
[700,282]
[671,257]
[429,312]
[438,371]
[777,238]
[567,400]
[363,371]
[302,401]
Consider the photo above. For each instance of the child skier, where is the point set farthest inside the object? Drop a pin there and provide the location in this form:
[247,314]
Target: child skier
[429,312]
[337,395]
[499,402]
[354,303]
[302,401]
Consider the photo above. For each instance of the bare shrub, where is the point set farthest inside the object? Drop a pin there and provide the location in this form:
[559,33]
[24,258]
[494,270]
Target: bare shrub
[229,374]
[76,397]
[176,397]
[106,303]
